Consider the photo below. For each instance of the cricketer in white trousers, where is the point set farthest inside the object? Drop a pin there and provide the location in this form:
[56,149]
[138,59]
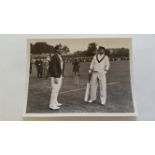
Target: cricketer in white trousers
[99,66]
[55,91]
[56,82]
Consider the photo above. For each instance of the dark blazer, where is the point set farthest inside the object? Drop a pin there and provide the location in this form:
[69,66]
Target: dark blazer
[55,67]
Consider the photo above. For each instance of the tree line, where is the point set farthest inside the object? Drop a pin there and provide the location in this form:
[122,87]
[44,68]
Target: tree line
[43,47]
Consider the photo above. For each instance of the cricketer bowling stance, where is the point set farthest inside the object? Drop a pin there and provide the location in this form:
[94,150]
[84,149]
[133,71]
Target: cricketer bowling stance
[98,69]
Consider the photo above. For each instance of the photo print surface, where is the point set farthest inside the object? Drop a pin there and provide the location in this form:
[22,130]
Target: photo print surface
[80,76]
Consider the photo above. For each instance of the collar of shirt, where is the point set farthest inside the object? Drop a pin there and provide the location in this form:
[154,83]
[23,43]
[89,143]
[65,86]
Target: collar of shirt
[100,56]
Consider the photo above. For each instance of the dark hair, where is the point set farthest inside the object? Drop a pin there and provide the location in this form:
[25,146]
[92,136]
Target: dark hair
[57,47]
[102,48]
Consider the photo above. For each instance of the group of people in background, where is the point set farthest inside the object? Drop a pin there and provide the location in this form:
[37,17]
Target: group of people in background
[43,65]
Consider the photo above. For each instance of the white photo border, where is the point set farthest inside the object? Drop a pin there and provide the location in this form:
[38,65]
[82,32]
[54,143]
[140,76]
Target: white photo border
[76,115]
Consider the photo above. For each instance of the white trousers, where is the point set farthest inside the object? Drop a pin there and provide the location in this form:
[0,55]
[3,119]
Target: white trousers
[55,91]
[98,78]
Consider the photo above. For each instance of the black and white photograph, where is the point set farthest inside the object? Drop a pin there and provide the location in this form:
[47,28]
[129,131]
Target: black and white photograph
[78,77]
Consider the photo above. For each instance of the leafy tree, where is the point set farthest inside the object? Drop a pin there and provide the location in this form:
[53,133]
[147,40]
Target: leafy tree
[92,47]
[41,47]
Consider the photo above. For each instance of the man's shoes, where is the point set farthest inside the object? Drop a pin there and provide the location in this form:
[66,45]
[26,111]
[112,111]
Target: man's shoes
[54,108]
[58,104]
[91,101]
[103,103]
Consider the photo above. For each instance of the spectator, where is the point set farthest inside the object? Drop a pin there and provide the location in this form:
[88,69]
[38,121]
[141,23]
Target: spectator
[76,67]
[45,68]
[39,66]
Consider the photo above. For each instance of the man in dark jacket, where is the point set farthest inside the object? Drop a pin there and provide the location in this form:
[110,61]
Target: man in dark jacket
[56,69]
[76,67]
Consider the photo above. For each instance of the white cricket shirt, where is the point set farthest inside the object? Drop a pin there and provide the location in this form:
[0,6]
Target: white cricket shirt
[100,63]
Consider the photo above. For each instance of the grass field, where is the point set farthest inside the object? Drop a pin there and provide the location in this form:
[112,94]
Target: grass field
[119,97]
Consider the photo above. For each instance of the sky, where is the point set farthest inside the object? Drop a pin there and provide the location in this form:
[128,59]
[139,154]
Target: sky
[82,44]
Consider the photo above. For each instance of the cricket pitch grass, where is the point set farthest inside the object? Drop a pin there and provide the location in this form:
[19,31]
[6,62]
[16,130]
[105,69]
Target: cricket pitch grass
[119,94]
